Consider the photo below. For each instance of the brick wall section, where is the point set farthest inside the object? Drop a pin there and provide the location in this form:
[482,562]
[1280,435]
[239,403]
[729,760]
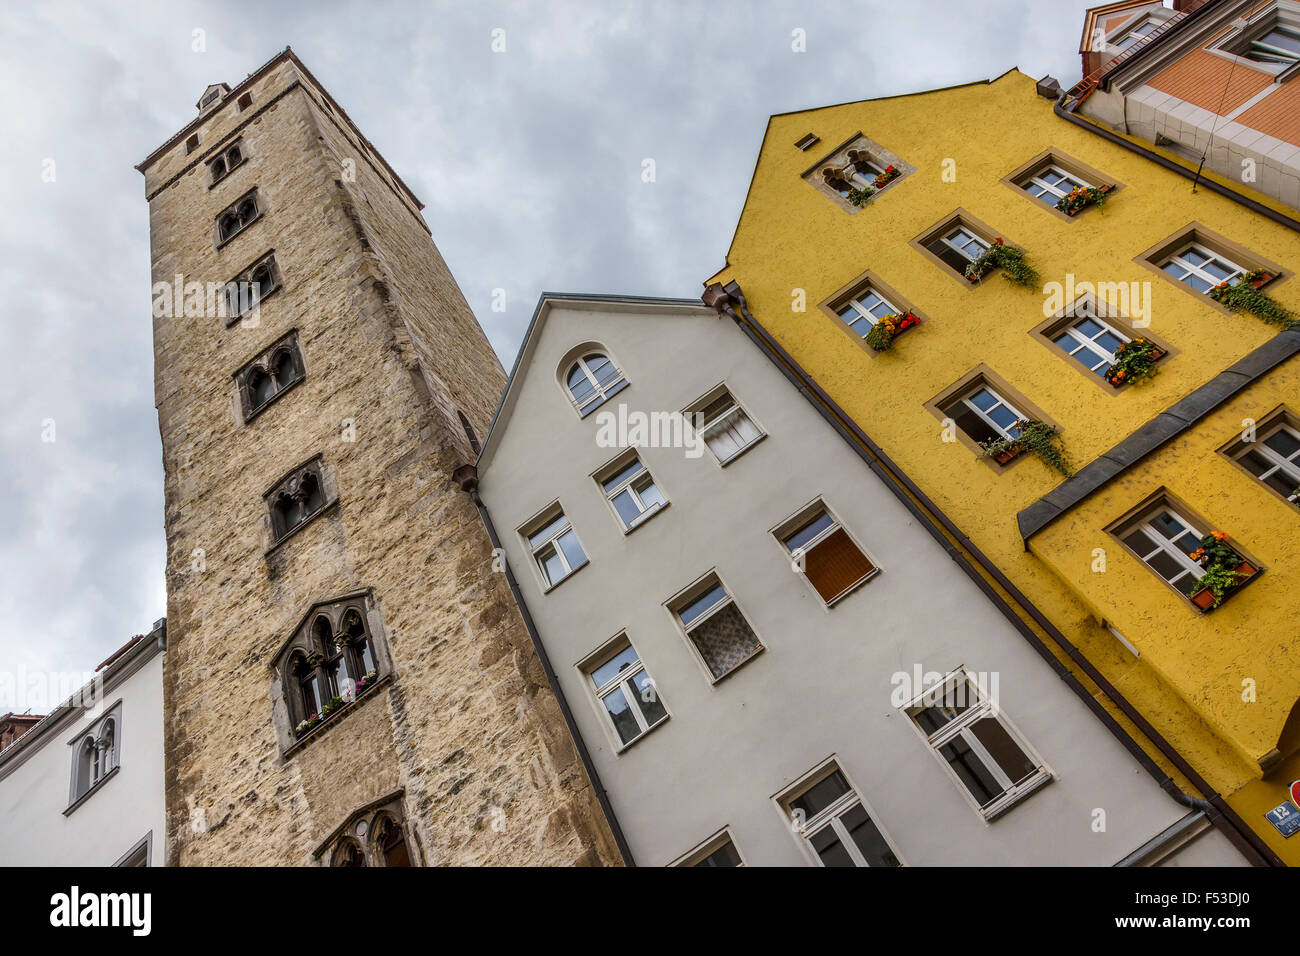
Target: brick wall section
[1211,82]
[1277,114]
[468,724]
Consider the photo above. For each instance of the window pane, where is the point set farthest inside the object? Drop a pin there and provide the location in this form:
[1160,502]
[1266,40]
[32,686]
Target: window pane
[820,795]
[620,711]
[624,473]
[1282,482]
[725,855]
[697,607]
[1089,328]
[626,507]
[544,532]
[868,839]
[1168,525]
[971,424]
[572,550]
[650,495]
[834,565]
[1283,442]
[1015,763]
[983,786]
[652,708]
[1165,565]
[807,532]
[725,640]
[552,567]
[606,672]
[827,844]
[1255,463]
[983,399]
[1003,416]
[1140,542]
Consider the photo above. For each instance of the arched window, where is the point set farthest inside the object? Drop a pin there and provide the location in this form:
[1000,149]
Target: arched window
[218,168]
[107,751]
[269,374]
[591,380]
[296,500]
[329,662]
[87,757]
[237,216]
[390,843]
[261,387]
[95,755]
[285,369]
[348,853]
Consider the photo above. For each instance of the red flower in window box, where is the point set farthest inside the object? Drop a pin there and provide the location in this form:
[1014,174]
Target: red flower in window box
[887,177]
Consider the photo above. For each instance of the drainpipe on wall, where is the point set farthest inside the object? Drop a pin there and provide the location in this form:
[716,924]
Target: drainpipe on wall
[467,477]
[725,301]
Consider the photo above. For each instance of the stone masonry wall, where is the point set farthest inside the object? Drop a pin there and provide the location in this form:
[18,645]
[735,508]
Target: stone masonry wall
[468,727]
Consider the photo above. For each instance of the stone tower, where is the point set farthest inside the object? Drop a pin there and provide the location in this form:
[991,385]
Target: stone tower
[347,680]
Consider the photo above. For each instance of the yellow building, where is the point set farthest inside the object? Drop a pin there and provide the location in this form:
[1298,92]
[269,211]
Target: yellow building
[876,208]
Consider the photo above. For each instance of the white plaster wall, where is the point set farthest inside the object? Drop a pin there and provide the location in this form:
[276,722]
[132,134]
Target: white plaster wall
[34,794]
[822,686]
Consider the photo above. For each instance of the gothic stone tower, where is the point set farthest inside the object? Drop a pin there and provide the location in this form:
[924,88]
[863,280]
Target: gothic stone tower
[347,680]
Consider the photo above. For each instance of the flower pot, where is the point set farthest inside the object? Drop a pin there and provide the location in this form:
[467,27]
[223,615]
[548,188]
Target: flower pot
[1204,599]
[1005,456]
[1262,281]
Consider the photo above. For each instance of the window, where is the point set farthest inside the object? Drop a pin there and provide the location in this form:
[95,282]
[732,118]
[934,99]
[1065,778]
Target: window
[807,142]
[1052,183]
[96,753]
[1162,539]
[984,415]
[631,492]
[330,661]
[626,693]
[1090,341]
[829,559]
[715,627]
[863,310]
[238,217]
[192,144]
[854,166]
[1279,45]
[376,835]
[1197,266]
[1132,36]
[976,744]
[231,157]
[209,98]
[592,380]
[1274,457]
[297,499]
[269,375]
[717,851]
[245,101]
[725,426]
[957,248]
[555,548]
[246,291]
[827,815]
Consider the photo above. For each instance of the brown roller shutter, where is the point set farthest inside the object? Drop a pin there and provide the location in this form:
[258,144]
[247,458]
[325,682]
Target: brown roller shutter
[835,565]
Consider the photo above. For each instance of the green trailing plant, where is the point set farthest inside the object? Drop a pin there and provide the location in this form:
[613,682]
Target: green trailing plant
[1080,198]
[1244,296]
[1041,439]
[860,197]
[1135,361]
[1010,259]
[882,334]
[1221,561]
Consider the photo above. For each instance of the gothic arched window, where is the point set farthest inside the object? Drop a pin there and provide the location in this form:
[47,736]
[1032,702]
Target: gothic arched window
[591,379]
[297,499]
[238,216]
[331,661]
[375,835]
[269,374]
[95,756]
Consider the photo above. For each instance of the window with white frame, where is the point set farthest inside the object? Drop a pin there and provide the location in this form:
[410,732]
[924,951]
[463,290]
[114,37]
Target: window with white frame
[1163,540]
[1131,36]
[1051,184]
[1089,340]
[627,695]
[631,491]
[555,548]
[861,312]
[96,754]
[1201,268]
[958,247]
[1274,46]
[715,627]
[592,380]
[984,415]
[725,426]
[830,560]
[1274,458]
[717,851]
[976,744]
[827,814]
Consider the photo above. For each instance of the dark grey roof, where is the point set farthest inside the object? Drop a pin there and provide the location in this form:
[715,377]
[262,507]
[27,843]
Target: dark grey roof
[1170,423]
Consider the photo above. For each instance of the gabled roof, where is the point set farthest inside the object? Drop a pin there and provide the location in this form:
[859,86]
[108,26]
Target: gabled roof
[1099,15]
[762,146]
[222,88]
[578,300]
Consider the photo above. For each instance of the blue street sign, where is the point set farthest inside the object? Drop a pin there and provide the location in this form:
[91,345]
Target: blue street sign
[1285,818]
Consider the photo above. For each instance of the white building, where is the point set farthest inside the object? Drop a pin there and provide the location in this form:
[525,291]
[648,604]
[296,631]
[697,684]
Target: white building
[737,709]
[84,786]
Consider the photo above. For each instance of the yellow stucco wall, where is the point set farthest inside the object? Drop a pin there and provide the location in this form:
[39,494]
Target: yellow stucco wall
[791,239]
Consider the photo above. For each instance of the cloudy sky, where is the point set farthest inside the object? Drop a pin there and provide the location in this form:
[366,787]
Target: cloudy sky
[528,161]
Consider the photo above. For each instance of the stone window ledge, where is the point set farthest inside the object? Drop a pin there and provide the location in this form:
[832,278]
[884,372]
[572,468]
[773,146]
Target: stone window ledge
[336,716]
[92,791]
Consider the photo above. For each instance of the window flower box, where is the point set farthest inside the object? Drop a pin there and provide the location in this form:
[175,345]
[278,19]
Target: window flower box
[1134,361]
[1039,437]
[1245,295]
[886,177]
[882,334]
[1225,571]
[1010,259]
[1008,453]
[860,197]
[1081,197]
